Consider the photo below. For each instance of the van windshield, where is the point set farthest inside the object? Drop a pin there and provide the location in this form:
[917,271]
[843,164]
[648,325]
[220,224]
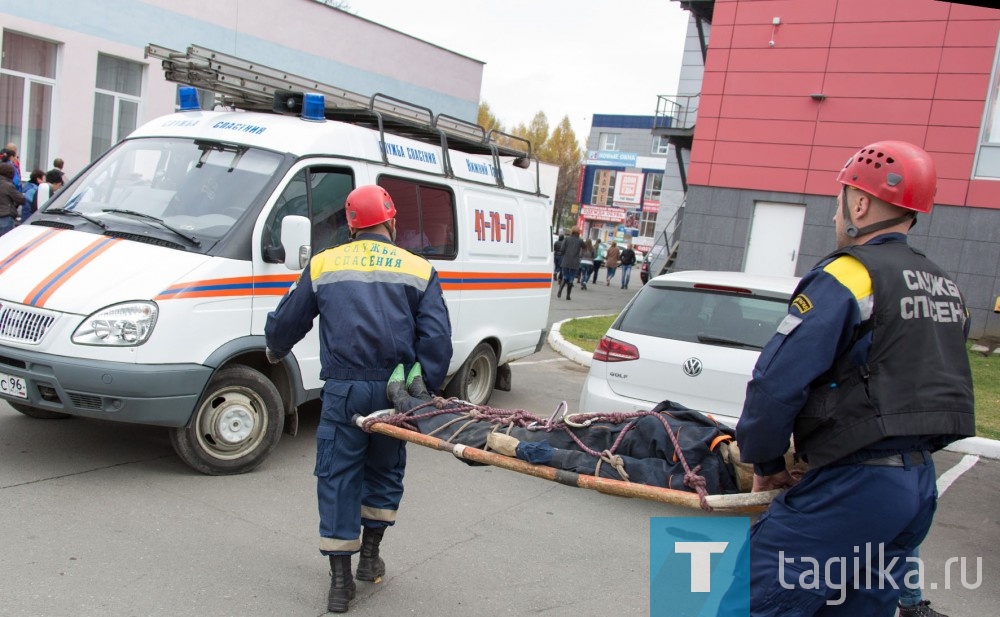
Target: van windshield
[187,191]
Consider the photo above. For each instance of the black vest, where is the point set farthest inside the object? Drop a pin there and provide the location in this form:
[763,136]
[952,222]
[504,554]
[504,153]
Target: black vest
[916,381]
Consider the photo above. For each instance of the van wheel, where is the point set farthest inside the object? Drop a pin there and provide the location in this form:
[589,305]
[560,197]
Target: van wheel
[475,378]
[235,426]
[41,414]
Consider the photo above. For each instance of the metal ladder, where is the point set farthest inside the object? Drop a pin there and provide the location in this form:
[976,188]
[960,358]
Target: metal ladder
[251,86]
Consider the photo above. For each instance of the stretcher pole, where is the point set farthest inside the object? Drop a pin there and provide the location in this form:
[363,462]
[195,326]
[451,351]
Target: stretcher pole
[747,503]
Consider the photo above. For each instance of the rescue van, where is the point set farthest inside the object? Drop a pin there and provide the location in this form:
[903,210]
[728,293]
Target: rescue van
[139,292]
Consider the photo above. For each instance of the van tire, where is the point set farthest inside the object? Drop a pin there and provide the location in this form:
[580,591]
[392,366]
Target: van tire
[475,378]
[41,414]
[237,423]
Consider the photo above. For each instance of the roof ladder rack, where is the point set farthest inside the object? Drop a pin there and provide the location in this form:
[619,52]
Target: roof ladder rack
[254,87]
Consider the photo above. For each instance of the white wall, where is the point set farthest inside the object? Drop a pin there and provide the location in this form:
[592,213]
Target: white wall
[300,36]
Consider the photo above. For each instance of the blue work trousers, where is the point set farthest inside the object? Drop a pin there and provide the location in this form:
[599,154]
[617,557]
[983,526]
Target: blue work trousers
[830,523]
[359,475]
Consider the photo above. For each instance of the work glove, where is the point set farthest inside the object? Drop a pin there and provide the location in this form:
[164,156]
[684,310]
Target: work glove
[273,359]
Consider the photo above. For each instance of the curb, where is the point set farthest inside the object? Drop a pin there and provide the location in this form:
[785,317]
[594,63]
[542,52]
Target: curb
[977,446]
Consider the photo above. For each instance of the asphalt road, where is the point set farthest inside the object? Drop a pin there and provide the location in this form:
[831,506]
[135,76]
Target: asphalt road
[102,519]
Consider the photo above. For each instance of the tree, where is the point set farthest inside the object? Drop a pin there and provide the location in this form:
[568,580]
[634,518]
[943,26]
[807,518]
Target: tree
[560,147]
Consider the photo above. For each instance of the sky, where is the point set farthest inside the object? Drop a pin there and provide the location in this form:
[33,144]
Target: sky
[570,58]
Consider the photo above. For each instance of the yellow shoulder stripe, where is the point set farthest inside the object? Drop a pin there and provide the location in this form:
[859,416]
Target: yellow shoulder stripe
[852,274]
[369,256]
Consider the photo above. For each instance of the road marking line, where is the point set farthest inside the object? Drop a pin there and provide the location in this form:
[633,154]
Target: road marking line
[953,474]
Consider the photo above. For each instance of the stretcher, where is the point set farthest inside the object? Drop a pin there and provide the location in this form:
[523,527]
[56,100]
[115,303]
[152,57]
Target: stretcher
[423,422]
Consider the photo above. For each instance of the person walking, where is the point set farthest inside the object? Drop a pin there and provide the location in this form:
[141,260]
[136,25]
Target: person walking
[379,306]
[557,254]
[36,180]
[572,248]
[611,261]
[600,249]
[10,198]
[627,260]
[586,263]
[869,372]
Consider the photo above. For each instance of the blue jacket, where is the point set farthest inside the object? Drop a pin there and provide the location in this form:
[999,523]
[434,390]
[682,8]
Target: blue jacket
[812,336]
[379,306]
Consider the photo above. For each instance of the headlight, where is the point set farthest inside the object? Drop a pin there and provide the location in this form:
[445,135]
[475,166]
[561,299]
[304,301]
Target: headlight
[123,325]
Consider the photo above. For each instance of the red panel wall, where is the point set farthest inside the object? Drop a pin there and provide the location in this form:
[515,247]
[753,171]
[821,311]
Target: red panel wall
[916,70]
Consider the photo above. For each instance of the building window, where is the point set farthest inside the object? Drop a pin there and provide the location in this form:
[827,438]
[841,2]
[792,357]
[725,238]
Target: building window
[27,79]
[603,193]
[654,186]
[647,224]
[609,141]
[660,145]
[116,102]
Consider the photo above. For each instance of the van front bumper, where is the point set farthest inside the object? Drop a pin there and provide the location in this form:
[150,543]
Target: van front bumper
[159,394]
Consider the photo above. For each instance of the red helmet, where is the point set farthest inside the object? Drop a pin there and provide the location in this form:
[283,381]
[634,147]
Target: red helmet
[896,172]
[369,205]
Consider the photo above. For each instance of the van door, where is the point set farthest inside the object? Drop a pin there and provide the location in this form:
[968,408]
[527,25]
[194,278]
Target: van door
[319,192]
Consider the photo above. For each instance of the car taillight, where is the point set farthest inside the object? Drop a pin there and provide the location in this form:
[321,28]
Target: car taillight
[613,350]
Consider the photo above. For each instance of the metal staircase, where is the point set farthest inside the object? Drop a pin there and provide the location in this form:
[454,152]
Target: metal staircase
[664,250]
[247,85]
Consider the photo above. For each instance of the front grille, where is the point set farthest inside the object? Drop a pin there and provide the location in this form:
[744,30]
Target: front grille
[23,324]
[85,401]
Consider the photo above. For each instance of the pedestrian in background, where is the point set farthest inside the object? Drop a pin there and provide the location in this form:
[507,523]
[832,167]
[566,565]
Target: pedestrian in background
[611,261]
[627,260]
[10,198]
[53,182]
[9,155]
[586,262]
[372,318]
[572,247]
[557,253]
[599,251]
[34,181]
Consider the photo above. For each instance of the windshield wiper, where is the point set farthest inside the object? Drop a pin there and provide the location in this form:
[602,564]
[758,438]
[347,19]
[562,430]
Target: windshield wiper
[158,221]
[89,219]
[706,338]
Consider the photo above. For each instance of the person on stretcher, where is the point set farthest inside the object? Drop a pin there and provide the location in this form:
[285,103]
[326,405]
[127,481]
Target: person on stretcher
[634,447]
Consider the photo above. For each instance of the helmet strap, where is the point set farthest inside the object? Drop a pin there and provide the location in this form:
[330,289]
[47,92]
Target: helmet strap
[852,230]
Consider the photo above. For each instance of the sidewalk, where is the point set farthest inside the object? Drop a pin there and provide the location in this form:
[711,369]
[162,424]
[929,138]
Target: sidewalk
[976,446]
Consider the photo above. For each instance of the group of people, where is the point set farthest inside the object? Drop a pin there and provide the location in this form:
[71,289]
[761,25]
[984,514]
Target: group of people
[578,260]
[20,198]
[865,384]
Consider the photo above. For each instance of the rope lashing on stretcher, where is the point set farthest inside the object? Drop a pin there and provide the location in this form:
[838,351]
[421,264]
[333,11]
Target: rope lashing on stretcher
[556,422]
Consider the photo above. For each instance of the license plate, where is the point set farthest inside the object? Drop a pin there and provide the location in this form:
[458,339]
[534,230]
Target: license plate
[13,386]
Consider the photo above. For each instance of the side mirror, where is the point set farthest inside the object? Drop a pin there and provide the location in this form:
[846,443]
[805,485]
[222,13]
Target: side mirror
[295,238]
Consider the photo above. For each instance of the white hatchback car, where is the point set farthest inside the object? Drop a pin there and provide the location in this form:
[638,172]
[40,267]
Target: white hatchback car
[689,337]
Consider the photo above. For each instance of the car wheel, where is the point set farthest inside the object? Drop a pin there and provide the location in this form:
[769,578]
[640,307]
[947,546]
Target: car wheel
[41,414]
[237,423]
[475,378]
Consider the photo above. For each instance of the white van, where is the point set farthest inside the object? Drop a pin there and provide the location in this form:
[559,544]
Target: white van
[139,292]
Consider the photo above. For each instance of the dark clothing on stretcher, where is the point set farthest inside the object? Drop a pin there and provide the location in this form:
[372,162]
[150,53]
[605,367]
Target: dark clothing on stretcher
[646,449]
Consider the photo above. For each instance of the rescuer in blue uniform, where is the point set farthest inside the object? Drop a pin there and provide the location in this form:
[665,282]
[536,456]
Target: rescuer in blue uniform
[869,373]
[379,306]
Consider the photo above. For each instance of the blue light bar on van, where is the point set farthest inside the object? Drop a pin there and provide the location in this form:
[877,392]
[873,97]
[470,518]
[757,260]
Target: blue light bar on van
[188,96]
[313,107]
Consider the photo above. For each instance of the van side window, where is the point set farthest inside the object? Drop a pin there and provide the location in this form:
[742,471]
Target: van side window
[318,193]
[425,217]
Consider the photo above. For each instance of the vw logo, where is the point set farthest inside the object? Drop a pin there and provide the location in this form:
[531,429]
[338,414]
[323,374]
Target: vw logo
[692,367]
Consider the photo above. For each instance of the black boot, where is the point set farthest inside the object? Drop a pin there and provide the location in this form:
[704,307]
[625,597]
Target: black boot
[569,290]
[371,568]
[561,285]
[342,587]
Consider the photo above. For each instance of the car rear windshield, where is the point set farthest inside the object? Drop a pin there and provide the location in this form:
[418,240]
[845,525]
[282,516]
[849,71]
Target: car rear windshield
[707,317]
